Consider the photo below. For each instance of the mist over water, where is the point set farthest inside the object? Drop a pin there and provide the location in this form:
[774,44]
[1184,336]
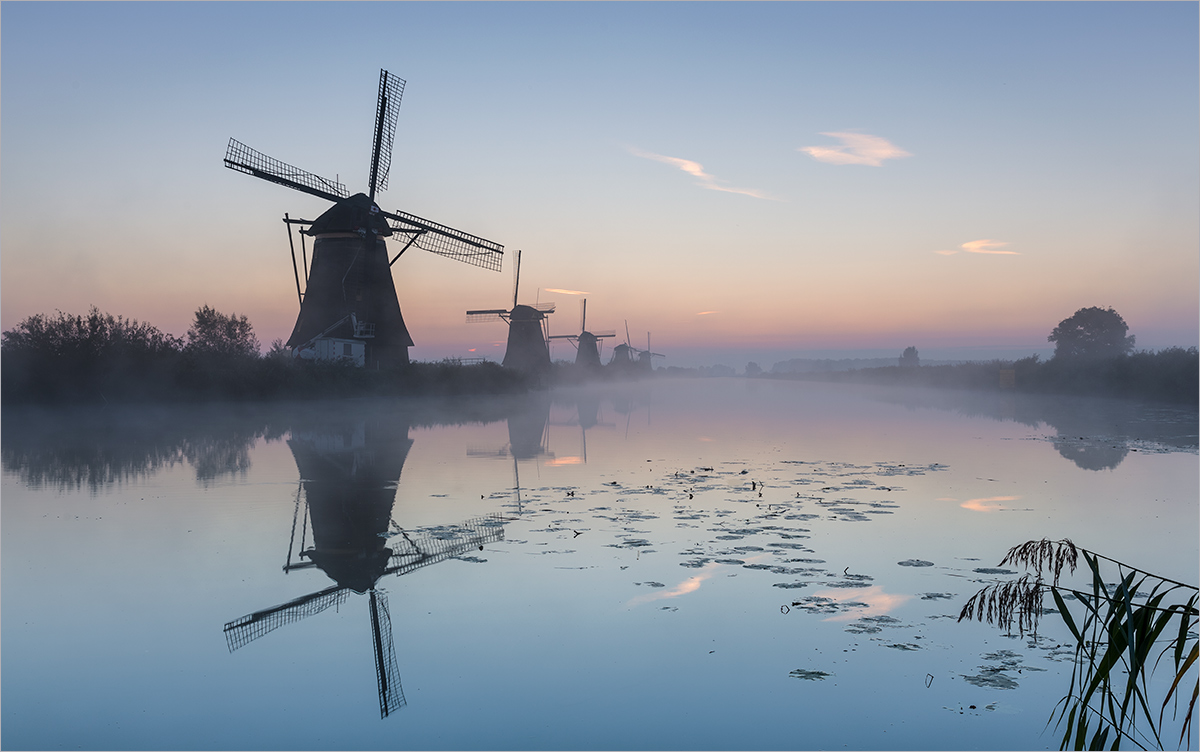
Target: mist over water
[708,563]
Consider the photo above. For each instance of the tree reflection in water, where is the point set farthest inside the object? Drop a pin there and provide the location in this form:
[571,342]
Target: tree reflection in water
[1093,433]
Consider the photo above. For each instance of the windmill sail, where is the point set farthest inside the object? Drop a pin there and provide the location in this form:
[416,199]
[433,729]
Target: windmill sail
[242,158]
[447,241]
[391,89]
[387,672]
[425,547]
[240,632]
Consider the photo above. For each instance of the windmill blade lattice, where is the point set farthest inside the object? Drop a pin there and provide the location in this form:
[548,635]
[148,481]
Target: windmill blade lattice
[475,317]
[240,632]
[420,549]
[387,671]
[447,241]
[391,90]
[242,158]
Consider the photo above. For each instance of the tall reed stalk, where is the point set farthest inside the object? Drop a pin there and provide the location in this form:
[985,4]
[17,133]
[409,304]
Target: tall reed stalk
[1122,632]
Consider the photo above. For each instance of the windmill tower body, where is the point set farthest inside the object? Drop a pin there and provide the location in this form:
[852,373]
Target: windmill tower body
[527,349]
[588,355]
[351,297]
[349,475]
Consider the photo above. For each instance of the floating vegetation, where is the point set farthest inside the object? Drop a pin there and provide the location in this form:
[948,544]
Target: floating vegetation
[906,646]
[936,596]
[992,570]
[915,563]
[988,680]
[808,674]
[790,585]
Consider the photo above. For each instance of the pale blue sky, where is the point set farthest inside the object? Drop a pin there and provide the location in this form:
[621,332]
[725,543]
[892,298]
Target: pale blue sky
[1063,133]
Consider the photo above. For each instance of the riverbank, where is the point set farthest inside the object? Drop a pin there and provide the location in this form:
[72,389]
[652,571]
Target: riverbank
[1171,375]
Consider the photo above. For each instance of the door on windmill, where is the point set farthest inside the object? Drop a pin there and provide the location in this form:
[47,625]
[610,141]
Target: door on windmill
[335,348]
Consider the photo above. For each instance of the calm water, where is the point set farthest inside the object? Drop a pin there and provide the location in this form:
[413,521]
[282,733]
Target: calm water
[670,565]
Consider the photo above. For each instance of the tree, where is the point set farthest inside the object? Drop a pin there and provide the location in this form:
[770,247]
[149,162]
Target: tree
[214,333]
[753,369]
[910,357]
[1091,333]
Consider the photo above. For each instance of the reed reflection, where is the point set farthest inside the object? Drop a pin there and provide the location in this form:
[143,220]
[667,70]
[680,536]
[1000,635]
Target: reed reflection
[342,524]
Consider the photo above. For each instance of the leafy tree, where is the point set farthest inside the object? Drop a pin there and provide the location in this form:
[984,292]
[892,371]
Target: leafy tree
[753,369]
[910,357]
[89,337]
[1091,333]
[214,333]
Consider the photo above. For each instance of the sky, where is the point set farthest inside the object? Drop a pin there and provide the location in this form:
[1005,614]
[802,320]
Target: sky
[742,181]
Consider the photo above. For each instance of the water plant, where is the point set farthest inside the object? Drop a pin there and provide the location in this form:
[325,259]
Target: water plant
[1123,630]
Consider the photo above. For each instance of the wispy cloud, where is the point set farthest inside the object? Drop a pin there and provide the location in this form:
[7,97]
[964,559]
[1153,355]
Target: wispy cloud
[566,292]
[690,585]
[705,313]
[871,601]
[991,247]
[703,179]
[856,149]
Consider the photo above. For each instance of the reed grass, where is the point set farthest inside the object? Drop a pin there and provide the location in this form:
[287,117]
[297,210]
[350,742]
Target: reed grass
[1123,628]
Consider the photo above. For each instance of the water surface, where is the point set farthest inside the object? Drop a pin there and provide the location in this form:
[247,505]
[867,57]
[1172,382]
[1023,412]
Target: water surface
[724,563]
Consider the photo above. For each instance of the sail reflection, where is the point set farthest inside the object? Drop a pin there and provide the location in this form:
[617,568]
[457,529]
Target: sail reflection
[342,525]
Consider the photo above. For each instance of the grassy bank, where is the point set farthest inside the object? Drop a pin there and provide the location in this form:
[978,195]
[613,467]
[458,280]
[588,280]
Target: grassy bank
[1170,375]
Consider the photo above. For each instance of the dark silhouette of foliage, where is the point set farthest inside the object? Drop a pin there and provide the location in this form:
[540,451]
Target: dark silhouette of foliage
[1170,375]
[214,334]
[99,358]
[96,356]
[910,357]
[1122,633]
[1091,333]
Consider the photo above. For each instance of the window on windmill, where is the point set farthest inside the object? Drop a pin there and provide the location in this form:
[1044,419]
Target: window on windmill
[347,349]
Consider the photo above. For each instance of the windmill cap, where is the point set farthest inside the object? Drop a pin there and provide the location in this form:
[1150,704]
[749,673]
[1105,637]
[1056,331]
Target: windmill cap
[358,213]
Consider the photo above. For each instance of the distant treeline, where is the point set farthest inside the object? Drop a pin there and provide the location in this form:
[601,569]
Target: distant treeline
[101,358]
[1170,375]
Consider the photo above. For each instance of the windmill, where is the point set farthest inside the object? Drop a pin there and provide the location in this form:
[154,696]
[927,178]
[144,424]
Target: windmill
[628,359]
[416,549]
[586,343]
[348,307]
[527,348]
[645,357]
[350,468]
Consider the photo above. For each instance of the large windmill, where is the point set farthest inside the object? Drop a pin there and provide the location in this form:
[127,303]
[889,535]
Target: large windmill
[528,329]
[349,307]
[415,549]
[350,468]
[586,343]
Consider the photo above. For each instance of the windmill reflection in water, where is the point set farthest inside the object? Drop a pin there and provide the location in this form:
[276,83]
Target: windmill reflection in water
[348,483]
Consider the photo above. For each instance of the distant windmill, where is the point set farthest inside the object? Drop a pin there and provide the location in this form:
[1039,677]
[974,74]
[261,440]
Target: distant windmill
[628,359]
[349,306]
[528,329]
[587,343]
[645,357]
